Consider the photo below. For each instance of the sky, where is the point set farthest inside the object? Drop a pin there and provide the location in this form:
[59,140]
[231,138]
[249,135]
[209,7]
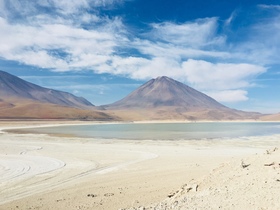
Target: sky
[104,49]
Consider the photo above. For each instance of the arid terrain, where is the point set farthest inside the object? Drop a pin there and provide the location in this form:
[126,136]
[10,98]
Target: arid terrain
[52,172]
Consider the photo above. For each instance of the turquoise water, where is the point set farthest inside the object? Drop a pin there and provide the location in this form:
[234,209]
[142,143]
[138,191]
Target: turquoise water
[166,131]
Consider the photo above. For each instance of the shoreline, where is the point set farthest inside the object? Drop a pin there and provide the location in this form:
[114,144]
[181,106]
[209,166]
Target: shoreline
[45,124]
[74,172]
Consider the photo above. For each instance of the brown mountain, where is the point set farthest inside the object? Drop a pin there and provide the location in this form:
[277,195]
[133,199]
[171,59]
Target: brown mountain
[20,99]
[271,117]
[13,87]
[164,91]
[165,98]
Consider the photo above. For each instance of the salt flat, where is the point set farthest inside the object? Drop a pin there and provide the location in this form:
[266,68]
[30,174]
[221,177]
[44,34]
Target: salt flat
[38,171]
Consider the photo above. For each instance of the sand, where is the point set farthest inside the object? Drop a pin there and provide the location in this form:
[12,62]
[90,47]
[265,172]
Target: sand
[38,171]
[250,183]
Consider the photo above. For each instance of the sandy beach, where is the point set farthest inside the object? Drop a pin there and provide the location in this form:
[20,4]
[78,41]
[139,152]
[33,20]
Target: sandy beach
[38,171]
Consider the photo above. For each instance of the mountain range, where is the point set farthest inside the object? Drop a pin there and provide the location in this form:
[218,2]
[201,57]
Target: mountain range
[158,99]
[20,99]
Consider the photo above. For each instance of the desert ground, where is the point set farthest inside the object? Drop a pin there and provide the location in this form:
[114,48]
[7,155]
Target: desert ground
[39,171]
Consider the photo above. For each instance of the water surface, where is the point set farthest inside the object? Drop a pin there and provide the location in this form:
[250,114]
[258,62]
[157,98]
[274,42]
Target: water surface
[167,131]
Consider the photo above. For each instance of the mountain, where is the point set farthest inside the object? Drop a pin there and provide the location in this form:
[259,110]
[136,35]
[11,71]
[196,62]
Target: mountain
[12,87]
[20,99]
[164,91]
[271,117]
[165,98]
[26,110]
[159,99]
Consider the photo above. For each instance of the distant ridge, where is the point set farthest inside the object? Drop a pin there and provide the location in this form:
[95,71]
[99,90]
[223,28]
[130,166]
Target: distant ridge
[159,99]
[165,98]
[271,117]
[20,99]
[12,87]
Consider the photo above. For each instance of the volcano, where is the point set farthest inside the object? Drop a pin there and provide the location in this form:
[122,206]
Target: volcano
[166,92]
[165,98]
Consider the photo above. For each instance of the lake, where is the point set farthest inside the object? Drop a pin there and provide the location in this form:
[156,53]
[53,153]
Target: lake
[166,131]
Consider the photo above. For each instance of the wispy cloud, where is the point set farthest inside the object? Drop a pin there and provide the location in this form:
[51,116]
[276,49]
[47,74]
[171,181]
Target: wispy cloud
[231,18]
[260,39]
[269,6]
[199,33]
[73,35]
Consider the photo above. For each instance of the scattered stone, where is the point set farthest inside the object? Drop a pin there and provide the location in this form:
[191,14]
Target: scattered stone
[189,189]
[195,187]
[278,180]
[269,164]
[268,152]
[91,195]
[170,195]
[109,194]
[243,165]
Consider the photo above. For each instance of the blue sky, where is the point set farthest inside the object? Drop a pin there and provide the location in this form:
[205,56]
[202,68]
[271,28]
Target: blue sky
[104,49]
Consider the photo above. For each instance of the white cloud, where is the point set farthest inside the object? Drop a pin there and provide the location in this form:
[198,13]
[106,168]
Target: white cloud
[181,51]
[56,46]
[26,7]
[229,96]
[223,81]
[269,7]
[156,67]
[231,18]
[220,76]
[174,51]
[199,33]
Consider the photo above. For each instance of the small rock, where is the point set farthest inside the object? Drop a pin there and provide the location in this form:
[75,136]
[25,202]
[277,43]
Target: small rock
[268,152]
[269,164]
[170,195]
[243,165]
[195,187]
[91,195]
[108,194]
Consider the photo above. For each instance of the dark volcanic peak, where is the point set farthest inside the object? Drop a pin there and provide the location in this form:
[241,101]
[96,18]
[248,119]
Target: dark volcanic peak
[16,88]
[166,92]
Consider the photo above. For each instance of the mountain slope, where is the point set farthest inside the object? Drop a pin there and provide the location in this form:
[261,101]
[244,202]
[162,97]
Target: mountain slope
[36,110]
[271,117]
[12,87]
[164,98]
[165,91]
[20,99]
